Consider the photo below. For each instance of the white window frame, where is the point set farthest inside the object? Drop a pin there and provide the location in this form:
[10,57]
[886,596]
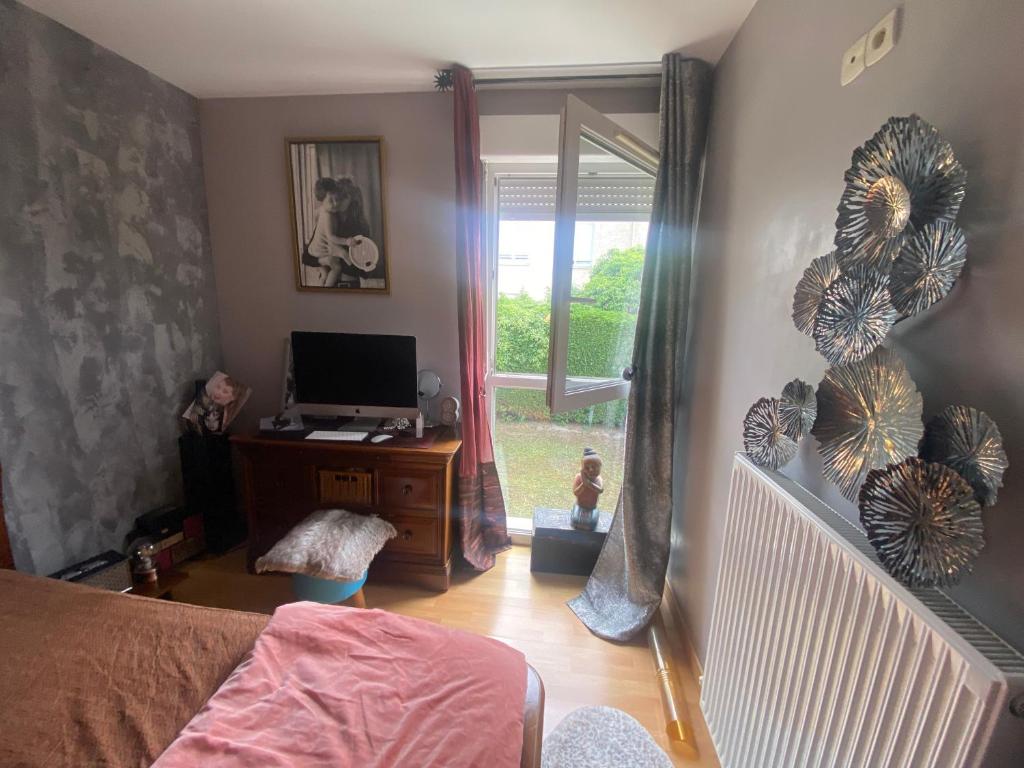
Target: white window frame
[581,120]
[493,173]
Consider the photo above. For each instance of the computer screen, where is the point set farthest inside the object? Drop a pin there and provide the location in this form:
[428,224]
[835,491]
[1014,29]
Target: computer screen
[354,369]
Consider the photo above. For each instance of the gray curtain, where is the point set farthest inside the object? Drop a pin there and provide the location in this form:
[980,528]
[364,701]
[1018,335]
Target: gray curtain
[625,587]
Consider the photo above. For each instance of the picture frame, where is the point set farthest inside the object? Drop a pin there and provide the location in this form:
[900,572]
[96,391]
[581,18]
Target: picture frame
[336,196]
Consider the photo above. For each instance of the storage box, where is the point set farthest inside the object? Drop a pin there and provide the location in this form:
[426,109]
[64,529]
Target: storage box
[560,548]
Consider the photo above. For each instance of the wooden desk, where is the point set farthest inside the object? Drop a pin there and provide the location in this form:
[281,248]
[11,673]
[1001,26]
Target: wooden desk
[282,480]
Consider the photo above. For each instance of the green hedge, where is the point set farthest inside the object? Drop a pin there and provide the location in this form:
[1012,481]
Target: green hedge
[600,339]
[600,345]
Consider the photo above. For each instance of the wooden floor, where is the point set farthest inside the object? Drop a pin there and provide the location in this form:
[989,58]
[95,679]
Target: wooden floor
[525,610]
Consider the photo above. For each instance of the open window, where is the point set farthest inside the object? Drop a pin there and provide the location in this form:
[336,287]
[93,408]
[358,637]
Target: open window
[605,182]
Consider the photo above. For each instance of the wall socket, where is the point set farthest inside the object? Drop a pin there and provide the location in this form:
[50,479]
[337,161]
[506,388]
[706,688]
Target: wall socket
[870,48]
[881,39]
[853,61]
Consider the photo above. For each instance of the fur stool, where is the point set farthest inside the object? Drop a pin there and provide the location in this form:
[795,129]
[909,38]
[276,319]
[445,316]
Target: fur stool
[328,555]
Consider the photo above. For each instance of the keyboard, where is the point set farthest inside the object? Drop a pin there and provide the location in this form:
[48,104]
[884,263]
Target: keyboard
[348,437]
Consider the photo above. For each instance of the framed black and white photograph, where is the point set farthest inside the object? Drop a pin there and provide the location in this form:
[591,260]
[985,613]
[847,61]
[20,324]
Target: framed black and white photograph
[337,202]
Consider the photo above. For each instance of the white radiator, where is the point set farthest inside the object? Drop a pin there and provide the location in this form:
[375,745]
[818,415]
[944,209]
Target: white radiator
[817,657]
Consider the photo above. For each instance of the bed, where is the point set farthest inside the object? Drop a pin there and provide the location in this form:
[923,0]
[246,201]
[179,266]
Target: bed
[92,677]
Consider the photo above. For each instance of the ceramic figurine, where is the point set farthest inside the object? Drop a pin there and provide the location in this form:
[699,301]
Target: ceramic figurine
[587,487]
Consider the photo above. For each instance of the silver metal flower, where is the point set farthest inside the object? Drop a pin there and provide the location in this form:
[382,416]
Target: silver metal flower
[797,409]
[926,268]
[968,441]
[764,439]
[923,521]
[902,179]
[854,316]
[816,278]
[869,415]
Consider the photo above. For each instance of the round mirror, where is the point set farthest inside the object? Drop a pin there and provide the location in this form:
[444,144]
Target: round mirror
[429,384]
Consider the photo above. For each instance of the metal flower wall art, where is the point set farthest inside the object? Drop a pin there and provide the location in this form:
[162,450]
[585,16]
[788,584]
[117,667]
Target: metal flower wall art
[925,270]
[816,279]
[898,251]
[967,441]
[764,438]
[854,316]
[902,179]
[869,415]
[797,409]
[923,521]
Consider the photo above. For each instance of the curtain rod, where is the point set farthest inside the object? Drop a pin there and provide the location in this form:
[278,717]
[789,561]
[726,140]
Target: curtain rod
[511,77]
[497,82]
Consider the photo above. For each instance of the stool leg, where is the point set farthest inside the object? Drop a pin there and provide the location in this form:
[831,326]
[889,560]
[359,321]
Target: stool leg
[358,600]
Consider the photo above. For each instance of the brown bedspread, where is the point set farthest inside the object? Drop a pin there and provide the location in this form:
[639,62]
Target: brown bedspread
[94,678]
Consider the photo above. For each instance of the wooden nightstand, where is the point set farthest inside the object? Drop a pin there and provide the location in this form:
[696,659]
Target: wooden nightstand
[159,589]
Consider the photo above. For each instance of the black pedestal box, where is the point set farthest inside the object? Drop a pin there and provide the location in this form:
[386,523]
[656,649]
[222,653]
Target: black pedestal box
[210,489]
[559,548]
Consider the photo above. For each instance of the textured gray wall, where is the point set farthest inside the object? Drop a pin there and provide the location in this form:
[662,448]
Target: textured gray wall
[782,133]
[107,299]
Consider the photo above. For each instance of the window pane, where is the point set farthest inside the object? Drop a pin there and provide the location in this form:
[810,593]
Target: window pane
[538,455]
[607,265]
[523,308]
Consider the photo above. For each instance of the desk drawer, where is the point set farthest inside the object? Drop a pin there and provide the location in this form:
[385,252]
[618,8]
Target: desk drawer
[409,490]
[345,486]
[416,535]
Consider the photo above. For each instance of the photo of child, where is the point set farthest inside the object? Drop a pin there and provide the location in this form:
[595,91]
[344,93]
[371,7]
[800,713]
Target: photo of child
[216,404]
[340,220]
[337,190]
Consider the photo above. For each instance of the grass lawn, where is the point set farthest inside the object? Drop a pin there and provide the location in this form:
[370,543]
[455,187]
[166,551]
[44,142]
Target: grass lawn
[537,461]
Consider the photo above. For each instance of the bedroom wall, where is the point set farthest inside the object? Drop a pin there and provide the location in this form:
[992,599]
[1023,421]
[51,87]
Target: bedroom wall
[107,303]
[782,133]
[243,150]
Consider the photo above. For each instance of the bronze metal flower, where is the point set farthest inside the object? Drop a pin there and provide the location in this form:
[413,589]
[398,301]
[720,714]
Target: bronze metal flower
[764,439]
[968,441]
[816,278]
[869,415]
[854,316]
[902,179]
[926,268]
[923,521]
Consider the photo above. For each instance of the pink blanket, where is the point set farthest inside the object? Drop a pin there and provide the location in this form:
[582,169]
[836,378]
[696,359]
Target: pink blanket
[333,686]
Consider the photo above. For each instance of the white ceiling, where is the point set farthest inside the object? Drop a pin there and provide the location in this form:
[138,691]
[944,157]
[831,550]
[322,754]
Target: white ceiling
[216,48]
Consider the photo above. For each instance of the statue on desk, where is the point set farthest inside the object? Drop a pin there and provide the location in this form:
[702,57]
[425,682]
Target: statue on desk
[587,487]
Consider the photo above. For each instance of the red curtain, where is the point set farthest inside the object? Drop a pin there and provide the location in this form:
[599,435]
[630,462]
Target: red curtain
[482,526]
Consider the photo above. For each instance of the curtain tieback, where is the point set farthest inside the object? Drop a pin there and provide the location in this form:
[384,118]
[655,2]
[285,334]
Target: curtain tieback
[629,372]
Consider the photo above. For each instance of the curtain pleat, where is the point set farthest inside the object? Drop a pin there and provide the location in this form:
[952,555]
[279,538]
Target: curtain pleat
[481,508]
[625,587]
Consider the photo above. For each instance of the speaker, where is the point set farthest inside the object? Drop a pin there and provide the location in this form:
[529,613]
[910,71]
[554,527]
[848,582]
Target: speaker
[209,485]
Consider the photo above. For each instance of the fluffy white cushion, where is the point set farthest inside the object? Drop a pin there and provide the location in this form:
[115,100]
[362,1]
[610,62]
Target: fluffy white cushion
[329,544]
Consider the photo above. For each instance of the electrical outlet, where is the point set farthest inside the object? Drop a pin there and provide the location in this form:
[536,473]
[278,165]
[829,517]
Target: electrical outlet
[881,39]
[853,61]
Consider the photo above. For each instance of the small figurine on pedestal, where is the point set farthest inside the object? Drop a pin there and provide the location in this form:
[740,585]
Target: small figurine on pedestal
[587,487]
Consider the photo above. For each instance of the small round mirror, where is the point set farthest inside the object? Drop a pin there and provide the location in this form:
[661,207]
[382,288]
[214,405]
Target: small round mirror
[429,384]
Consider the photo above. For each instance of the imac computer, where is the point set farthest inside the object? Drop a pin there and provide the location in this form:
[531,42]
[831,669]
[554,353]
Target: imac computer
[364,376]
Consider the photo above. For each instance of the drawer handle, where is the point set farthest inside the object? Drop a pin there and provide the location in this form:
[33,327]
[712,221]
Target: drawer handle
[406,489]
[407,536]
